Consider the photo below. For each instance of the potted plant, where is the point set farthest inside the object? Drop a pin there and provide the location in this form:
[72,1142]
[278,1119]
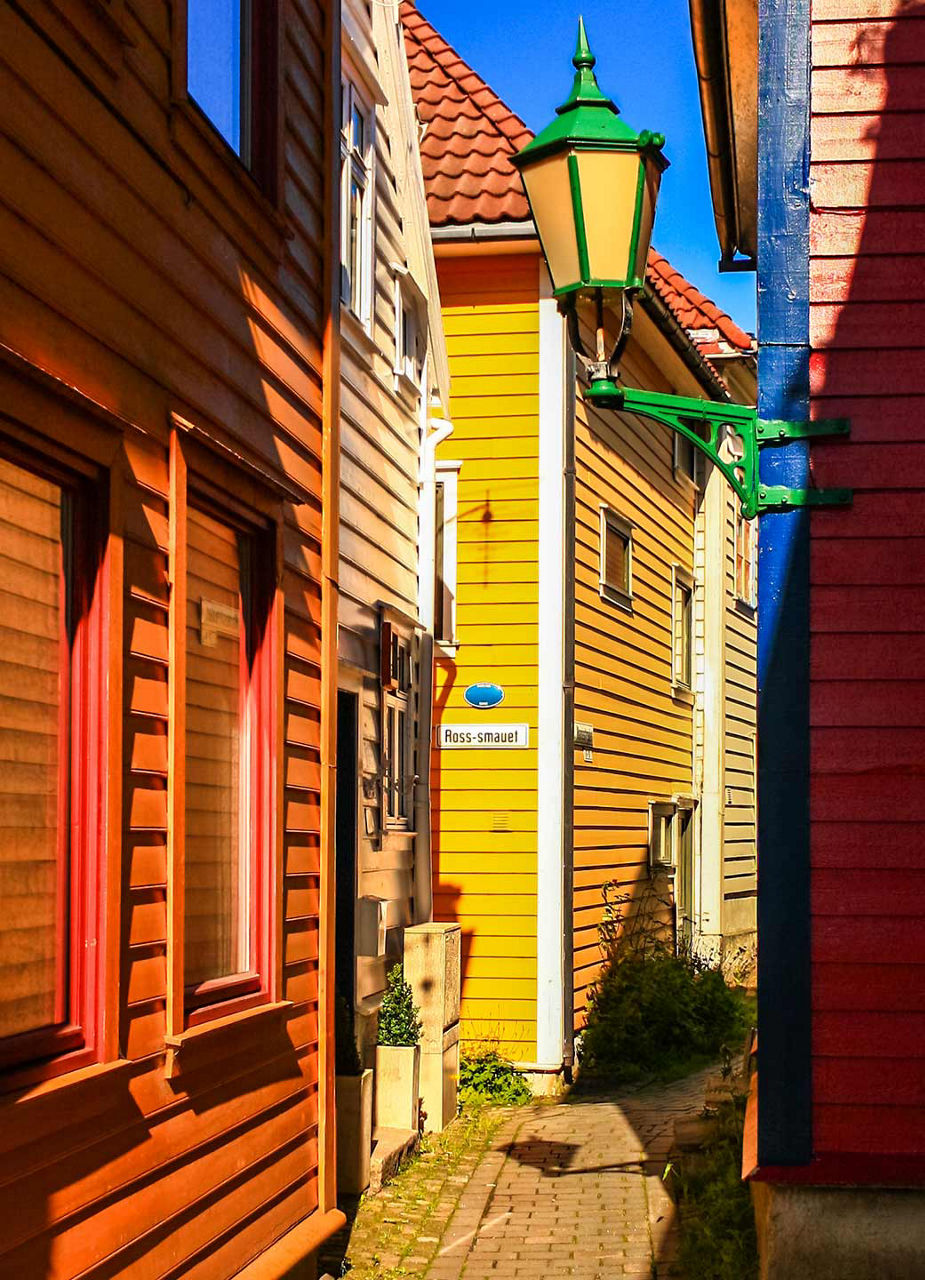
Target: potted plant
[354,1100]
[398,1060]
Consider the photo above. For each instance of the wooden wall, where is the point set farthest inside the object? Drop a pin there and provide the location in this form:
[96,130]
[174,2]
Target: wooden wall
[867,294]
[740,669]
[643,735]
[380,437]
[484,826]
[142,267]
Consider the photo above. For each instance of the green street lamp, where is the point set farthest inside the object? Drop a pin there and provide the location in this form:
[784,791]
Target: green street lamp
[592,184]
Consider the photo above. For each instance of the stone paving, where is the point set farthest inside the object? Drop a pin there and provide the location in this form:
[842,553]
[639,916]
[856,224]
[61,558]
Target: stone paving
[567,1188]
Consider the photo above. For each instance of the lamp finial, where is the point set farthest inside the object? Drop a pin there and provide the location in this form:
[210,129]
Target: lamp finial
[583,55]
[586,91]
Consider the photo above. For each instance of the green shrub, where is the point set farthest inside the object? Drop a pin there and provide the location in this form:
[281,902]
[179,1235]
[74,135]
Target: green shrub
[654,1011]
[485,1076]
[346,1058]
[718,1240]
[399,1021]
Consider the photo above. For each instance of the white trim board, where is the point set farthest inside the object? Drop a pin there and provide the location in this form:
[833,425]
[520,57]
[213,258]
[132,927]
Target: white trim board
[551,745]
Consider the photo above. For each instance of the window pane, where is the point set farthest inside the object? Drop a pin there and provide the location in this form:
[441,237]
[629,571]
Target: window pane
[359,131]
[685,878]
[214,70]
[684,624]
[402,770]
[616,564]
[217,888]
[390,762]
[33,752]
[355,262]
[439,552]
[686,456]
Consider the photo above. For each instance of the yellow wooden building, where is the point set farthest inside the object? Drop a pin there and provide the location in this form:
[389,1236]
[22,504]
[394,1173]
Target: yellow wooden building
[580,740]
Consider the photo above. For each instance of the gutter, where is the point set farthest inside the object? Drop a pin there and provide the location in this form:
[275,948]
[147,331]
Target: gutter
[433,433]
[485,231]
[677,335]
[710,55]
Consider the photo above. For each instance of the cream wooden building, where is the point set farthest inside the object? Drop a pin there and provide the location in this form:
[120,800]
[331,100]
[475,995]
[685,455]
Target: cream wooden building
[393,379]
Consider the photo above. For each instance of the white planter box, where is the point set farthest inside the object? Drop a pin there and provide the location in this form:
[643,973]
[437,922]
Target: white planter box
[398,1087]
[354,1103]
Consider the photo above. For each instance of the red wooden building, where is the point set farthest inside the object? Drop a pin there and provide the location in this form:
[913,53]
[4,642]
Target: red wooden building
[168,413]
[814,128]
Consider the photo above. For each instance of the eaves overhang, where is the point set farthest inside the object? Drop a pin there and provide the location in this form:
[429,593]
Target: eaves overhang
[725,39]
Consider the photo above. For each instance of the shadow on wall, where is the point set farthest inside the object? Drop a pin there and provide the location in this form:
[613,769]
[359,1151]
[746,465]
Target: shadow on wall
[868,364]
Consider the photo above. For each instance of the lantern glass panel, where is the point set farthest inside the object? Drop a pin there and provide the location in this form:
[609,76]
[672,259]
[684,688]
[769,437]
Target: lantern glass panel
[651,184]
[609,189]
[550,195]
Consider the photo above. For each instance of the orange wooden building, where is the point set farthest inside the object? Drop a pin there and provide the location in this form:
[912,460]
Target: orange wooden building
[168,362]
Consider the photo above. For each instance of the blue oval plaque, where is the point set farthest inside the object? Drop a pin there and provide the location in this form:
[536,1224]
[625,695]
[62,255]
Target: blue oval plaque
[484,695]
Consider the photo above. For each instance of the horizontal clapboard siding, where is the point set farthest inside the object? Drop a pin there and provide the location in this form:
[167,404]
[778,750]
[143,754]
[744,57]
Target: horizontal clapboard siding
[485,850]
[142,269]
[643,736]
[868,577]
[380,439]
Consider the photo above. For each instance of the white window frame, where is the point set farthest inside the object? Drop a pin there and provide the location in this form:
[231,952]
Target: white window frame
[681,578]
[623,528]
[447,474]
[357,164]
[408,366]
[746,553]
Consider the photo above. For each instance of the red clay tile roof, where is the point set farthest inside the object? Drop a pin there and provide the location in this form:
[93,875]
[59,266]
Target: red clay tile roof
[469,134]
[712,330]
[469,138]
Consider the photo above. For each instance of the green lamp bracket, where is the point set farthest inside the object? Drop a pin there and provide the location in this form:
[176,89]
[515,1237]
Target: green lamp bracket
[731,436]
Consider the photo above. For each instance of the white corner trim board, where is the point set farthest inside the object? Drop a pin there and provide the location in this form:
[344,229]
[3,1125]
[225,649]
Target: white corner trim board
[551,747]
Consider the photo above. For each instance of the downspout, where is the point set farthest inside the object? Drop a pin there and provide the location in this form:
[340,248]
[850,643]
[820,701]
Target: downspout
[423,871]
[330,520]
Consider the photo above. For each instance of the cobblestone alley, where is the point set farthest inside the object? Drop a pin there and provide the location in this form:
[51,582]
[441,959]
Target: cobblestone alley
[571,1188]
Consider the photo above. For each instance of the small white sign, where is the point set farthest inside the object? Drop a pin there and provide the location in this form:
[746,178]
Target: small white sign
[216,620]
[491,736]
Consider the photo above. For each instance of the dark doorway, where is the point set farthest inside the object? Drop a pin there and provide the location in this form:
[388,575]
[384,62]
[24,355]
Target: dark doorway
[345,844]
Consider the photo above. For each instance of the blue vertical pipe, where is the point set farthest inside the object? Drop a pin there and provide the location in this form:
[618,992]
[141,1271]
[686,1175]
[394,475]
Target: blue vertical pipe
[784,936]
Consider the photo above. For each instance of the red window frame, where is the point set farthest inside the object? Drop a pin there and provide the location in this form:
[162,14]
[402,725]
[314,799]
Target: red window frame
[220,997]
[73,1040]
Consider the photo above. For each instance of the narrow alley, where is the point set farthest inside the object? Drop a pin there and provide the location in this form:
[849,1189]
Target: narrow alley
[567,1188]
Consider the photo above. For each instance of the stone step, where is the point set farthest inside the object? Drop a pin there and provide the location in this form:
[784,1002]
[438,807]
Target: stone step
[391,1148]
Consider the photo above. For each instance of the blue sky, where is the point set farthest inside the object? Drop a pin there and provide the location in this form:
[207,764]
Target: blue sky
[645,63]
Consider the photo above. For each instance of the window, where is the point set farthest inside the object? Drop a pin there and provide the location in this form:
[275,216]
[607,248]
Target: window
[49,766]
[398,780]
[616,556]
[685,457]
[222,797]
[445,552]
[227,704]
[682,629]
[684,884]
[662,851]
[746,567]
[220,871]
[356,203]
[231,75]
[407,340]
